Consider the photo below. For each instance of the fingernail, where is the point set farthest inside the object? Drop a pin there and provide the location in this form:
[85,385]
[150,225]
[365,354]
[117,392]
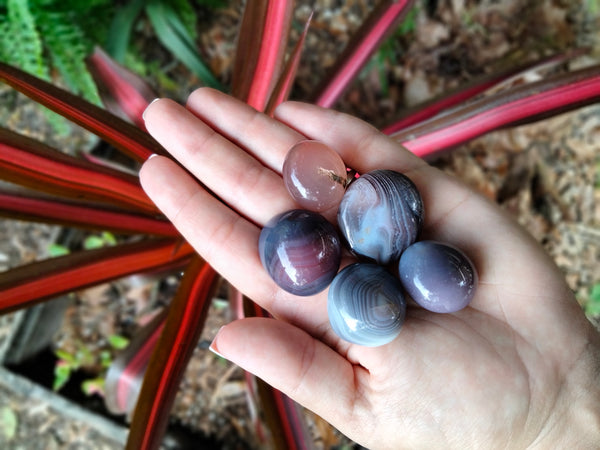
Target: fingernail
[144,113]
[213,345]
[152,156]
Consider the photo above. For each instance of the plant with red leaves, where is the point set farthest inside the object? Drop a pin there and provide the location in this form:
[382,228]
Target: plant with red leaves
[83,193]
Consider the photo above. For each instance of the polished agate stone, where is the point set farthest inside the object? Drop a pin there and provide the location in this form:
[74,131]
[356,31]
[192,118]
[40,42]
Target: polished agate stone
[366,305]
[301,251]
[314,175]
[380,215]
[439,277]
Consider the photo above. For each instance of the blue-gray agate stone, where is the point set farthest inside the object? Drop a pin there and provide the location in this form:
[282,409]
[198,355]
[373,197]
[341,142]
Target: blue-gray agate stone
[437,276]
[301,251]
[366,305]
[380,215]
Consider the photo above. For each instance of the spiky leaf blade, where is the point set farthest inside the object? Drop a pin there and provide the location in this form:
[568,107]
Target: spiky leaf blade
[32,283]
[380,23]
[122,135]
[182,329]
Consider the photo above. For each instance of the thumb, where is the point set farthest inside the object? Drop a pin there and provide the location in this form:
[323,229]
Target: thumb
[291,360]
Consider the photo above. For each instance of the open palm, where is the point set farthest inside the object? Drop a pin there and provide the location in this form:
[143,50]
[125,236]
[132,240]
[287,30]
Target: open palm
[500,373]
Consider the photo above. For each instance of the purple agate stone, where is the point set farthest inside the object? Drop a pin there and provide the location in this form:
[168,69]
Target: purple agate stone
[301,251]
[380,215]
[439,277]
[366,305]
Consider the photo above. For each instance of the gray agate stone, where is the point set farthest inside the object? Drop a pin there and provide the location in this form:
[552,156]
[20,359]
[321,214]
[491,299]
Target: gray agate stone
[366,305]
[437,276]
[380,215]
[301,251]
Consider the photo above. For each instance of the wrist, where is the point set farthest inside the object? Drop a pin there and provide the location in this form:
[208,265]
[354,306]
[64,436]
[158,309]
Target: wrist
[575,422]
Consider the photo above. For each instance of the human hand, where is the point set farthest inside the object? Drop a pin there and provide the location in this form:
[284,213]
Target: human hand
[518,367]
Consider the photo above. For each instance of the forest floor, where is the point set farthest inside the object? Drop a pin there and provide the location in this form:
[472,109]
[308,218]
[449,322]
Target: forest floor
[546,174]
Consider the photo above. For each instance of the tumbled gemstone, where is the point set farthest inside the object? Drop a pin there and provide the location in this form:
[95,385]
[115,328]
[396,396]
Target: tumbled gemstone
[380,215]
[301,251]
[314,175]
[437,276]
[366,305]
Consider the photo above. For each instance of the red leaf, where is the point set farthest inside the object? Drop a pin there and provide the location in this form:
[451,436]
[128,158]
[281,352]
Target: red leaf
[122,135]
[126,373]
[430,108]
[282,414]
[32,283]
[181,332]
[519,105]
[30,163]
[131,93]
[51,210]
[382,21]
[286,80]
[256,67]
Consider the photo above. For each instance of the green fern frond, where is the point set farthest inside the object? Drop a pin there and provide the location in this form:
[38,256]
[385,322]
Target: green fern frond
[20,41]
[68,47]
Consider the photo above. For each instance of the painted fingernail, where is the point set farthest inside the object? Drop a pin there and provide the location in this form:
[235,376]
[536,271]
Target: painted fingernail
[144,113]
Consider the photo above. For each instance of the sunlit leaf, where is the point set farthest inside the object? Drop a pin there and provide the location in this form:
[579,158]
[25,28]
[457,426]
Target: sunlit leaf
[262,43]
[519,105]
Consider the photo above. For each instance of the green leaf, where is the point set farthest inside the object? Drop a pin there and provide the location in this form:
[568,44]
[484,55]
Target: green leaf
[118,342]
[173,35]
[57,250]
[592,307]
[65,356]
[93,386]
[62,374]
[93,242]
[120,30]
[9,423]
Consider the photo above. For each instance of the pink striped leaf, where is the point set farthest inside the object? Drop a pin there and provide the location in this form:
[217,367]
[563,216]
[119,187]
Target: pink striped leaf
[286,80]
[123,92]
[126,373]
[261,48]
[380,23]
[184,323]
[26,206]
[32,283]
[499,80]
[519,105]
[30,163]
[122,135]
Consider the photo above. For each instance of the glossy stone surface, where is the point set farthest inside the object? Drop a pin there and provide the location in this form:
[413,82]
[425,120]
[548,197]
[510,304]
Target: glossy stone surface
[301,251]
[366,305]
[439,277]
[380,215]
[314,175]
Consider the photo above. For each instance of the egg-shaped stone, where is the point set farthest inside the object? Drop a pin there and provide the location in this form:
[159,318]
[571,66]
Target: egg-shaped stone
[314,175]
[438,276]
[366,305]
[301,251]
[380,215]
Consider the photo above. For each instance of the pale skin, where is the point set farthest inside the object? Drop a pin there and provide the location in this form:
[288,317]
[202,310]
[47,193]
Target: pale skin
[518,368]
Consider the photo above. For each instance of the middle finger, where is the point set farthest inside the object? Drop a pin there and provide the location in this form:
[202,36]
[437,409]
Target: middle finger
[237,177]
